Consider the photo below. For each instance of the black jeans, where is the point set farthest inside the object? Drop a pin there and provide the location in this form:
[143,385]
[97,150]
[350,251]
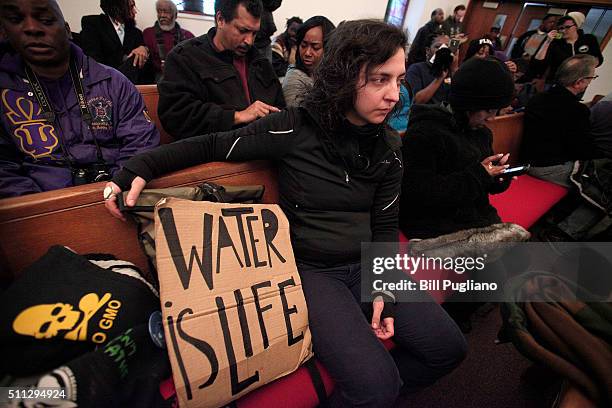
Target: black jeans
[429,343]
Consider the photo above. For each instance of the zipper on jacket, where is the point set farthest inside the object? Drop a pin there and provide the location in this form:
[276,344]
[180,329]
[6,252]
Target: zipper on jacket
[346,177]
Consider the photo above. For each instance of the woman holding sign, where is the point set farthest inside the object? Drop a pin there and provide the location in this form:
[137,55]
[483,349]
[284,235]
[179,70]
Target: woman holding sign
[339,176]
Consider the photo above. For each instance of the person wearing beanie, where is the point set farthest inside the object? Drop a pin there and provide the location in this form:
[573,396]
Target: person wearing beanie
[567,40]
[449,165]
[483,48]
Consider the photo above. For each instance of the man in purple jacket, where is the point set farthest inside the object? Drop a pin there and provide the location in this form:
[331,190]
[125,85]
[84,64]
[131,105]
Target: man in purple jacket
[64,119]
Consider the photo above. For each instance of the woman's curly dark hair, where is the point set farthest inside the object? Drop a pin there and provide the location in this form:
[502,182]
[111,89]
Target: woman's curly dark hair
[351,46]
[118,10]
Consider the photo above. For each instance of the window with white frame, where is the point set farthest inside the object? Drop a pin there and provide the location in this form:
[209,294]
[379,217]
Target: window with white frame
[396,12]
[206,7]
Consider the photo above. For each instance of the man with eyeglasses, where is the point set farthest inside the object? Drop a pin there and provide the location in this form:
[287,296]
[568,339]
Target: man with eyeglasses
[558,134]
[557,129]
[567,40]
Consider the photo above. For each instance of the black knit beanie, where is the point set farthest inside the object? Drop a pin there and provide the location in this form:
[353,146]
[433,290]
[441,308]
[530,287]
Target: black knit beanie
[481,84]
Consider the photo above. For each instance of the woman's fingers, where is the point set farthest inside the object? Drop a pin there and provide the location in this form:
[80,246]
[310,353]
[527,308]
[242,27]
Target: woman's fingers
[387,329]
[377,308]
[110,201]
[111,206]
[491,159]
[504,158]
[138,184]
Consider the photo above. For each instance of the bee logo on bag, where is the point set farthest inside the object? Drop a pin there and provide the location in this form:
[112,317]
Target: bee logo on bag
[46,321]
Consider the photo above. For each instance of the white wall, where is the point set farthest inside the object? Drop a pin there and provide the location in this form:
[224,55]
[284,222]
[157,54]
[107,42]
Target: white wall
[603,84]
[75,9]
[419,13]
[335,10]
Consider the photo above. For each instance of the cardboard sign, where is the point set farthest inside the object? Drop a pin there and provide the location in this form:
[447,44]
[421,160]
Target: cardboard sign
[234,312]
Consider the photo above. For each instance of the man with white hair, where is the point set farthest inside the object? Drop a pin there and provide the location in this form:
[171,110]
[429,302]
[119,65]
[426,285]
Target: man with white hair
[164,35]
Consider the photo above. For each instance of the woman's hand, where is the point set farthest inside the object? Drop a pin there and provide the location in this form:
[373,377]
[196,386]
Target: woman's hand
[511,66]
[552,34]
[443,75]
[383,330]
[496,164]
[141,55]
[138,184]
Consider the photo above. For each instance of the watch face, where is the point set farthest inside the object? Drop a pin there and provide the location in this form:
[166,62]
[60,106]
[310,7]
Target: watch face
[108,192]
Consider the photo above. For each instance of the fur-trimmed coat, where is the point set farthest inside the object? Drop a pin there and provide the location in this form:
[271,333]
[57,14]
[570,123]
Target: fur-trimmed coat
[445,188]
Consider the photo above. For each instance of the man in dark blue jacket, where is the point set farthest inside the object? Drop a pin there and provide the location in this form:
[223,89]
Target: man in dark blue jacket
[65,119]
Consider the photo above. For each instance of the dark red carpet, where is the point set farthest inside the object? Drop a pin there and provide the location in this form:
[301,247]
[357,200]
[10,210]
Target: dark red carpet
[491,376]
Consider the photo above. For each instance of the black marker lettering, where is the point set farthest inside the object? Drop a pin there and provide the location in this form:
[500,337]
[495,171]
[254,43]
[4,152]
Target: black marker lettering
[260,310]
[254,241]
[238,212]
[166,217]
[270,223]
[244,324]
[288,311]
[225,240]
[237,385]
[201,345]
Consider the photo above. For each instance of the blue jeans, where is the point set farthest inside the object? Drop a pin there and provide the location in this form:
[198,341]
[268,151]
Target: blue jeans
[429,343]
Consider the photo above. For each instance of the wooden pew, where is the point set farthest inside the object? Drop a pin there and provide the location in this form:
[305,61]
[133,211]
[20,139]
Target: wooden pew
[76,216]
[507,135]
[151,99]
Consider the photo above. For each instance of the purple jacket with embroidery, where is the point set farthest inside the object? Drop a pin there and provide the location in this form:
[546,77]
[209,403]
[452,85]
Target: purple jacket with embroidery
[33,152]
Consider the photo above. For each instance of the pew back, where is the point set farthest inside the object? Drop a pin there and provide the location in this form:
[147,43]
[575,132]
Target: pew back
[76,216]
[150,95]
[507,135]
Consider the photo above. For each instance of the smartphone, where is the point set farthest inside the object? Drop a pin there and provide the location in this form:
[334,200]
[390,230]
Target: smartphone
[124,208]
[515,171]
[454,44]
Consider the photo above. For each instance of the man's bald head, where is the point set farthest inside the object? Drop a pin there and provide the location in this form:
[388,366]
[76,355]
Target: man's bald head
[575,68]
[437,15]
[36,29]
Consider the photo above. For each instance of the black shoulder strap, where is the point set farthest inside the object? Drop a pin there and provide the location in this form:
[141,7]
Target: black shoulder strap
[317,381]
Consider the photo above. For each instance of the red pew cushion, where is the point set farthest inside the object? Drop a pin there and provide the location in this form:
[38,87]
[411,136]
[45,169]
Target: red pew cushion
[527,199]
